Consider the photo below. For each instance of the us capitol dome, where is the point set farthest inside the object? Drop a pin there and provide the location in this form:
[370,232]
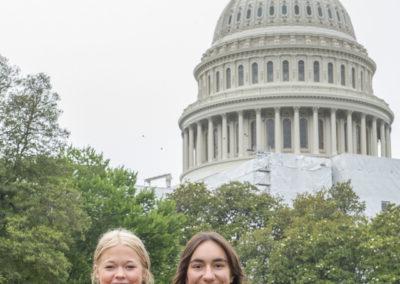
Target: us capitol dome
[283,76]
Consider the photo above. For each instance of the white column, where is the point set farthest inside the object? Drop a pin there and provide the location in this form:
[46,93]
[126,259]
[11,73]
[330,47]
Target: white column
[278,143]
[199,144]
[374,142]
[185,149]
[258,130]
[383,139]
[363,134]
[297,130]
[334,150]
[232,140]
[224,137]
[350,132]
[241,133]
[191,146]
[315,139]
[388,142]
[210,140]
[342,142]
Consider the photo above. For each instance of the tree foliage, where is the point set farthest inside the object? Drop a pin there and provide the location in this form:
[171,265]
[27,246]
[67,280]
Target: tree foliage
[112,200]
[323,238]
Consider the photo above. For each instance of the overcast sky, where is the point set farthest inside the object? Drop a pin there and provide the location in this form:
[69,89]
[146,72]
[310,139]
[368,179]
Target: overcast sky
[124,68]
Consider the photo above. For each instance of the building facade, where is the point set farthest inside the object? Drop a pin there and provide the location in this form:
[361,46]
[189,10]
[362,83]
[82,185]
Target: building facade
[283,76]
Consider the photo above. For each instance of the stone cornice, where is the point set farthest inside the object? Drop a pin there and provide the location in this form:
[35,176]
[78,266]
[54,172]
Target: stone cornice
[287,98]
[280,50]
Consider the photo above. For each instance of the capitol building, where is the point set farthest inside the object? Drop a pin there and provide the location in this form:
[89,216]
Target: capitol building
[285,78]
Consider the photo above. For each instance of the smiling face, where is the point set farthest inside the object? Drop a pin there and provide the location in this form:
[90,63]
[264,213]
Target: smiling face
[119,265]
[209,264]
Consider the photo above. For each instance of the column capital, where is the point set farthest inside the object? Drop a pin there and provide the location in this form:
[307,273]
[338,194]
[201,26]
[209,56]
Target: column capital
[363,115]
[315,109]
[334,110]
[277,109]
[296,108]
[349,112]
[258,110]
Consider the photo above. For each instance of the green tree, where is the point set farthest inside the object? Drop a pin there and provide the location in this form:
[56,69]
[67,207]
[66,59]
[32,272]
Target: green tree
[381,249]
[112,200]
[322,243]
[40,210]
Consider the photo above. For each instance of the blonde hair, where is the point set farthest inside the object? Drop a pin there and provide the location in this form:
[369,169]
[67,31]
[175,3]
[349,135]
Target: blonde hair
[122,237]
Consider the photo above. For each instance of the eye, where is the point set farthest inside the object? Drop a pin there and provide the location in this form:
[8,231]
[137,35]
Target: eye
[219,265]
[109,267]
[197,266]
[130,267]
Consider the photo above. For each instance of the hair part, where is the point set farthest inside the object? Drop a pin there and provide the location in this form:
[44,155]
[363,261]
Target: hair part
[126,238]
[194,243]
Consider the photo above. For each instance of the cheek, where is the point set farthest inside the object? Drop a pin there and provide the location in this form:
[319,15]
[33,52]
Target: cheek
[104,276]
[224,276]
[192,276]
[135,276]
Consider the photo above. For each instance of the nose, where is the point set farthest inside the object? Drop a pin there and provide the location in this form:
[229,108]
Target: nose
[209,274]
[120,273]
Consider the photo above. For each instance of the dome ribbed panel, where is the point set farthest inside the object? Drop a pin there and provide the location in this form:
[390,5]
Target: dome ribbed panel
[244,15]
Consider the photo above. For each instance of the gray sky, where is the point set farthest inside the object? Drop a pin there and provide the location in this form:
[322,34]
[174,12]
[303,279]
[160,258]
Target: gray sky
[124,68]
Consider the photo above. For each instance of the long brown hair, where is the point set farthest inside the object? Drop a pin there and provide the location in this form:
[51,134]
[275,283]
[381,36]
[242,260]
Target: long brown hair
[194,243]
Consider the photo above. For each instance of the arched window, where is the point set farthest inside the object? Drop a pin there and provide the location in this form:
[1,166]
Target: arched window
[330,13]
[241,75]
[254,73]
[362,80]
[343,75]
[253,137]
[296,10]
[215,143]
[270,71]
[284,9]
[285,70]
[316,71]
[239,15]
[209,84]
[321,134]
[309,11]
[287,133]
[301,70]
[271,10]
[270,134]
[330,73]
[228,78]
[217,81]
[303,133]
[259,12]
[353,77]
[248,13]
[338,16]
[320,14]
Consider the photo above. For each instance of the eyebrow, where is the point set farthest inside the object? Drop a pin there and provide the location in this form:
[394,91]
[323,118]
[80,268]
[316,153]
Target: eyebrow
[214,260]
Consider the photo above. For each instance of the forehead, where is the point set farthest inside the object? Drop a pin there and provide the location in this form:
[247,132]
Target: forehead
[119,253]
[209,251]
